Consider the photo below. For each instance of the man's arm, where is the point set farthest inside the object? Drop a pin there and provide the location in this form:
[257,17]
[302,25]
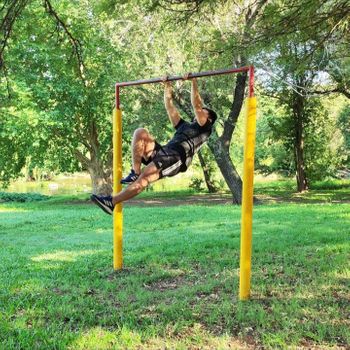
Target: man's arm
[173,113]
[197,104]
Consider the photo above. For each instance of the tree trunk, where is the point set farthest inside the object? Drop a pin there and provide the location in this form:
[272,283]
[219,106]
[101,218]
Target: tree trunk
[101,184]
[207,174]
[228,171]
[101,179]
[298,111]
[220,146]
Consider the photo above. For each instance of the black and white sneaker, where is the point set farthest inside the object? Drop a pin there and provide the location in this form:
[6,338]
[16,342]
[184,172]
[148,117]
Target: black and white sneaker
[132,177]
[105,203]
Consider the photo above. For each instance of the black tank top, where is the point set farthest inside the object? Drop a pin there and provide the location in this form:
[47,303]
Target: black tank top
[188,139]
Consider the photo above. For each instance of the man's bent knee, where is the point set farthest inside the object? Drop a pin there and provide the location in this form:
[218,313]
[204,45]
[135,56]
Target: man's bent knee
[140,184]
[142,133]
[149,175]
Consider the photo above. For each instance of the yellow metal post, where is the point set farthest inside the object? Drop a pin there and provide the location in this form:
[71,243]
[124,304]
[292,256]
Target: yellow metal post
[247,200]
[117,187]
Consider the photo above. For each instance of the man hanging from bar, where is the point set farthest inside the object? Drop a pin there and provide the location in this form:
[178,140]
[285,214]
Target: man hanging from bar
[170,159]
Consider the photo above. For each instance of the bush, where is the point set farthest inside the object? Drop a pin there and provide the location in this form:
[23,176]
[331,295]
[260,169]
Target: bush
[197,184]
[21,197]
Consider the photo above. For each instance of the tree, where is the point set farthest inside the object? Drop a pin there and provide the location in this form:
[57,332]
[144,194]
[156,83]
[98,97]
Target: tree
[300,35]
[67,69]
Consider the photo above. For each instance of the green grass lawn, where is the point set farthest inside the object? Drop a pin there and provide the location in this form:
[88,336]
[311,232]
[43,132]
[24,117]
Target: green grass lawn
[334,191]
[179,287]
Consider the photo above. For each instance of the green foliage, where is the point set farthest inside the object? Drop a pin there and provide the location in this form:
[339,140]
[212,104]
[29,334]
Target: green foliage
[197,184]
[69,99]
[323,144]
[305,54]
[22,197]
[273,150]
[56,91]
[325,149]
[205,164]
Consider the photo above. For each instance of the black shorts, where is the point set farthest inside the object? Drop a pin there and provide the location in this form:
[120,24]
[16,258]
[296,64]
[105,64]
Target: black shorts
[166,159]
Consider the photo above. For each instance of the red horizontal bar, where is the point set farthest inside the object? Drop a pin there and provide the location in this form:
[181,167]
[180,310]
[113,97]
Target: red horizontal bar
[178,77]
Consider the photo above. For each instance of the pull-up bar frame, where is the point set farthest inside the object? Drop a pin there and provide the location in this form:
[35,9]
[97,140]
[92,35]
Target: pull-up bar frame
[248,172]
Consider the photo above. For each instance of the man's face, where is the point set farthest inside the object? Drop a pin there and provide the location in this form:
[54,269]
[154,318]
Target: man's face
[208,115]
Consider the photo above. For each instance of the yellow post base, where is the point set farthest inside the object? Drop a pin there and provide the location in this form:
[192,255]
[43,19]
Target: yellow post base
[247,200]
[118,237]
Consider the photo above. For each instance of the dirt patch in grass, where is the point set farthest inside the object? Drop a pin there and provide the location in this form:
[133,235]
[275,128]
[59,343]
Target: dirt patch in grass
[167,284]
[207,199]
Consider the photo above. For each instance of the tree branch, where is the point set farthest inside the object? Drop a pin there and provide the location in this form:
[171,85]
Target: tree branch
[82,159]
[339,89]
[238,97]
[77,47]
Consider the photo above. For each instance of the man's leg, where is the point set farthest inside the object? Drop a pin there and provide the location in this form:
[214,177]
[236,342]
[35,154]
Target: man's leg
[150,174]
[142,146]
